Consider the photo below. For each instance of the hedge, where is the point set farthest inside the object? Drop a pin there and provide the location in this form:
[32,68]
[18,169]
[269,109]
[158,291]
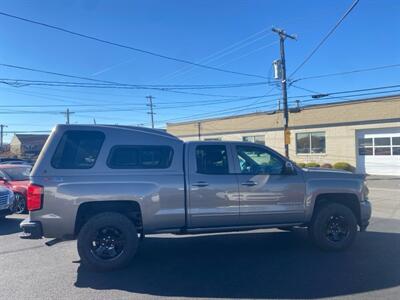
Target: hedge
[343,166]
[326,165]
[312,165]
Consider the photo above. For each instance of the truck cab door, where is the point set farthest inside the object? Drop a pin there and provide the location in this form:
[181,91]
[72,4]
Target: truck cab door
[268,194]
[213,192]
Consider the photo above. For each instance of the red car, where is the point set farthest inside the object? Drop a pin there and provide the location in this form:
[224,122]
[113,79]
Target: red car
[16,177]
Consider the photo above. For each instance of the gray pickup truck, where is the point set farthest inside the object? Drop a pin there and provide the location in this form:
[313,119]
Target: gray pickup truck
[108,186]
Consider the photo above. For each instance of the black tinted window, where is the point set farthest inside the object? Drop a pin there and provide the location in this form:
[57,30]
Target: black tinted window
[212,159]
[78,150]
[140,157]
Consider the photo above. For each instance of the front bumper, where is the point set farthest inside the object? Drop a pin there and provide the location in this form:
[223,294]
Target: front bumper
[365,214]
[8,208]
[31,229]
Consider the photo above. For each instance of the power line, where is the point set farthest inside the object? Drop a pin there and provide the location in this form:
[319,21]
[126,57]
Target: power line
[27,82]
[130,47]
[247,107]
[355,95]
[221,53]
[346,72]
[325,37]
[106,81]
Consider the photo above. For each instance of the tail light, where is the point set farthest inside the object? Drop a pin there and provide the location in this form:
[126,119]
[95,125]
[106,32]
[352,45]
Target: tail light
[34,197]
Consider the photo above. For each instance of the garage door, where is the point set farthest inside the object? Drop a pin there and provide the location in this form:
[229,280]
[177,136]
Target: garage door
[378,151]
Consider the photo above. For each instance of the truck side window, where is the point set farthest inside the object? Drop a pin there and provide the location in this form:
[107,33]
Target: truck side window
[77,150]
[212,159]
[257,161]
[140,157]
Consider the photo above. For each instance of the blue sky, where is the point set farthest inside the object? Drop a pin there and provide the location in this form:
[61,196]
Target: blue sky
[191,30]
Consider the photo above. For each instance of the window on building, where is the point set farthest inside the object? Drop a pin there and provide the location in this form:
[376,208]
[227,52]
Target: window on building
[379,146]
[78,150]
[365,146]
[257,161]
[396,145]
[310,142]
[140,157]
[212,139]
[212,159]
[258,139]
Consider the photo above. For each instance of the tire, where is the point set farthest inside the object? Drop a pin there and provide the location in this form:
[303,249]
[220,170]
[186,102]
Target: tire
[107,241]
[20,204]
[333,227]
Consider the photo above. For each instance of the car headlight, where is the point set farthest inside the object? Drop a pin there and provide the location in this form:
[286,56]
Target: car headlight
[365,192]
[11,197]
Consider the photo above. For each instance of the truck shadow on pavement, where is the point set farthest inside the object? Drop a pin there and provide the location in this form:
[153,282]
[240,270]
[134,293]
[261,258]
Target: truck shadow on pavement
[9,226]
[255,265]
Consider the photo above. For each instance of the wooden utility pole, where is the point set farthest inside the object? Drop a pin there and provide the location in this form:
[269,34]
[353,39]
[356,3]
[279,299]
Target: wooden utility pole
[2,135]
[67,114]
[282,36]
[151,112]
[199,130]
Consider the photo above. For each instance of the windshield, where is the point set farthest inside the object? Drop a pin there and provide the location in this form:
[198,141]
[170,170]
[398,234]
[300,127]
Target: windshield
[18,173]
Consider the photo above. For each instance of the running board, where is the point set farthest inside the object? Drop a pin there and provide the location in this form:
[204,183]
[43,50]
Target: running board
[234,228]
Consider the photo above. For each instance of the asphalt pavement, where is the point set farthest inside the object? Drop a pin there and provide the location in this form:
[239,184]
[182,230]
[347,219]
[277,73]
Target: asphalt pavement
[260,264]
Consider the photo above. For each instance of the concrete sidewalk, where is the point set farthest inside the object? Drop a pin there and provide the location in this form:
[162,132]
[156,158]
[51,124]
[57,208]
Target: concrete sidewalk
[385,196]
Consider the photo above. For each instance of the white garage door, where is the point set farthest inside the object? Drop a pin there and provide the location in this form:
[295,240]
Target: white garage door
[378,151]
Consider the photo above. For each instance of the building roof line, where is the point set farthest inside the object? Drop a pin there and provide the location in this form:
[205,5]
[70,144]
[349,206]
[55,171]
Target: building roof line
[305,107]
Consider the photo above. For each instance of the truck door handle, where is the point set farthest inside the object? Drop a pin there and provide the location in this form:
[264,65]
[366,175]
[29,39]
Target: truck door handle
[200,184]
[249,183]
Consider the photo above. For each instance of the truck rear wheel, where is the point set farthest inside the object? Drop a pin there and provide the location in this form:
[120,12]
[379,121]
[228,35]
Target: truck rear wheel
[334,227]
[107,241]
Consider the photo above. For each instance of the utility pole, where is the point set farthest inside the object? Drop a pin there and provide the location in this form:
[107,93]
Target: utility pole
[199,130]
[67,114]
[151,112]
[2,135]
[282,36]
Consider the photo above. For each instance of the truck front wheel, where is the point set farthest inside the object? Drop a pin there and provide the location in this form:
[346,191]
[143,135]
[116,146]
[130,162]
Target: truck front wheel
[334,227]
[107,241]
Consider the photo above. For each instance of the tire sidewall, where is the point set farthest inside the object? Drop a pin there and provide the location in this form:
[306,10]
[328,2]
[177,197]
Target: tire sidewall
[22,198]
[89,230]
[318,227]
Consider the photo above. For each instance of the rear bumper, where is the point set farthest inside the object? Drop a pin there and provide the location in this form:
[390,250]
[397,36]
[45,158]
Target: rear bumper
[365,214]
[31,229]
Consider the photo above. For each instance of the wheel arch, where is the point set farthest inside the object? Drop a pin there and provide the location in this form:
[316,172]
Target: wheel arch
[86,210]
[349,200]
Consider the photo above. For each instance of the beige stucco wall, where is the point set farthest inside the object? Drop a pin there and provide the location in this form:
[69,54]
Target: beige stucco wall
[386,108]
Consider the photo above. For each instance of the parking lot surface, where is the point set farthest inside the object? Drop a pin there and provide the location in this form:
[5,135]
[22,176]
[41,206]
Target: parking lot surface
[259,264]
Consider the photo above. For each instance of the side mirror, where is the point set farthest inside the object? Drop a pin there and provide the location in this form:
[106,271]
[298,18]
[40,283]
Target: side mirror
[289,169]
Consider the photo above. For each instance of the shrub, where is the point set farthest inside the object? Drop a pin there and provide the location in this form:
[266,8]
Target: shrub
[326,165]
[343,166]
[312,165]
[301,165]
